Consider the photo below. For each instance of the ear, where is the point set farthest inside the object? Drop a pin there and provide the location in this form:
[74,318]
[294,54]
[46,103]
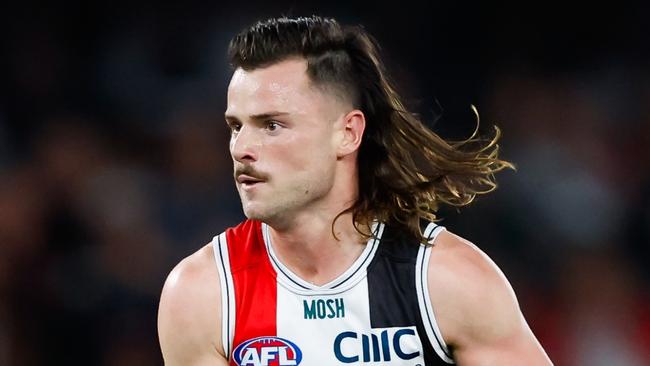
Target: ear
[354,123]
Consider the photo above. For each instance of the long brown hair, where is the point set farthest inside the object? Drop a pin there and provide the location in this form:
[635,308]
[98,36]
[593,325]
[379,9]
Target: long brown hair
[405,169]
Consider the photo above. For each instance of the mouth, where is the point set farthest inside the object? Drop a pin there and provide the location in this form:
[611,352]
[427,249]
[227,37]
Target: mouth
[247,181]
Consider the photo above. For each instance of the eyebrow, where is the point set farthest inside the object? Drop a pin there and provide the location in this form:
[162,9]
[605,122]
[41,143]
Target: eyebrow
[260,116]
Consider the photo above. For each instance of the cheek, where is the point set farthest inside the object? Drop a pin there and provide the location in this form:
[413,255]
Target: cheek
[288,159]
[309,153]
[298,151]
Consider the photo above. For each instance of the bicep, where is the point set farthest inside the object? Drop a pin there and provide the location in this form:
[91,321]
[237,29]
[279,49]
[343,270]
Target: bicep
[181,342]
[188,317]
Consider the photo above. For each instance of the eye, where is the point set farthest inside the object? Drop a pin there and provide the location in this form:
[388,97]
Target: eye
[272,126]
[234,126]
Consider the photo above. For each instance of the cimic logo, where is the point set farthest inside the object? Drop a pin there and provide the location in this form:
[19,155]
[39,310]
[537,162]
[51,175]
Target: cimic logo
[400,343]
[267,351]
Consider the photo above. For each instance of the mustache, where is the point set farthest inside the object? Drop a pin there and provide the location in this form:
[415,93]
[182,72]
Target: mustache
[249,170]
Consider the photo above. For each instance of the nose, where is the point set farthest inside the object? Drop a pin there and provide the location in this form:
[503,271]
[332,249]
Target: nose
[244,145]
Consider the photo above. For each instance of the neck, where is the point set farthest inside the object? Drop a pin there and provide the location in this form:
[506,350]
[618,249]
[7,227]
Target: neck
[306,242]
[311,250]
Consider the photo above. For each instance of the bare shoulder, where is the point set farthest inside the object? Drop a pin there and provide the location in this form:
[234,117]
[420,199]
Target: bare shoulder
[189,316]
[475,306]
[465,279]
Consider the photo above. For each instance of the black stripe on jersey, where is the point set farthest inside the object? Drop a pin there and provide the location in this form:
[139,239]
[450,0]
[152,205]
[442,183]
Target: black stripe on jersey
[390,282]
[392,293]
[226,347]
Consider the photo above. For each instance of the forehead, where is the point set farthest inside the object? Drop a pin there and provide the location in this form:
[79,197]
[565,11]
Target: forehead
[281,86]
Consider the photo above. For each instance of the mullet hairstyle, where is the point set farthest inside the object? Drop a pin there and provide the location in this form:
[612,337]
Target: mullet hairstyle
[405,169]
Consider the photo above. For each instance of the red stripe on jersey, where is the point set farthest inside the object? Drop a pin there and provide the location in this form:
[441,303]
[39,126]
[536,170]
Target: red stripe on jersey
[255,283]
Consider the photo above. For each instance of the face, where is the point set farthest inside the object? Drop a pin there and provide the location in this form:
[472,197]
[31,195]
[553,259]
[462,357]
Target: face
[284,138]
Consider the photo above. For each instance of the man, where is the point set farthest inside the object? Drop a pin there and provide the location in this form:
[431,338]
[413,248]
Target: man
[339,261]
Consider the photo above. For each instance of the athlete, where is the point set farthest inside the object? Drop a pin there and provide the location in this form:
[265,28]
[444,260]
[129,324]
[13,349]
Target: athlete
[340,260]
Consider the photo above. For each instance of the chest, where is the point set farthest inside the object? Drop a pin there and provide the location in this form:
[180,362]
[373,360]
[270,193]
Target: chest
[325,329]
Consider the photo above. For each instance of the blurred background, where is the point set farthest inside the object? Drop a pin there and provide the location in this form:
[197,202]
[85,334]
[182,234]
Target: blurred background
[114,162]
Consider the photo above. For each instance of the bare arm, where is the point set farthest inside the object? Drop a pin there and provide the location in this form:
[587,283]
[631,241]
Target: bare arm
[477,310]
[189,315]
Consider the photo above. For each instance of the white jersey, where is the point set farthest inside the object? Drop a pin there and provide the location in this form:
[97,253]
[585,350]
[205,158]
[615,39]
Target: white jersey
[378,312]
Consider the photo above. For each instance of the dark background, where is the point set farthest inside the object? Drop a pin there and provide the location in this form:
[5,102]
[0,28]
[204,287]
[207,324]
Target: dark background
[114,162]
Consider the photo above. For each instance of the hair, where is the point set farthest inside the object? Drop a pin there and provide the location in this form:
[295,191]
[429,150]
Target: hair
[405,170]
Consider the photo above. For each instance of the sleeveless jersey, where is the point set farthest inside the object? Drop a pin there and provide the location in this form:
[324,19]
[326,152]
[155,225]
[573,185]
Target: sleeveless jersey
[378,312]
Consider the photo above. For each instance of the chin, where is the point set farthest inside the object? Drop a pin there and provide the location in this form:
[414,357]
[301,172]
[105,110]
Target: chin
[262,213]
[254,211]
[253,216]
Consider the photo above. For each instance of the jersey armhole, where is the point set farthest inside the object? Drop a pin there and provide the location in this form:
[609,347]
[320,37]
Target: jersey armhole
[222,260]
[424,300]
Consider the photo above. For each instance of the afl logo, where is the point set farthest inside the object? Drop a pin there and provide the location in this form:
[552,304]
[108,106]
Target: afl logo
[267,351]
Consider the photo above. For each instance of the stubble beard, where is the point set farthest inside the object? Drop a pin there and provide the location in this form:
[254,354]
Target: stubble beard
[266,209]
[279,210]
